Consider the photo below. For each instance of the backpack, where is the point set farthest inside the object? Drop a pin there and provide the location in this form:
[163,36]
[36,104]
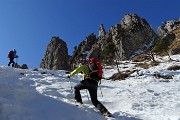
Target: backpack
[10,54]
[100,71]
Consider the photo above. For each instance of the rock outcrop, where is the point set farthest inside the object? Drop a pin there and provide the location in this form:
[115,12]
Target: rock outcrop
[121,41]
[86,45]
[168,27]
[56,56]
[130,35]
[170,31]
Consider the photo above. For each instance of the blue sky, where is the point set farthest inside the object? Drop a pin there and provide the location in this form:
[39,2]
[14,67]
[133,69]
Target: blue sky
[29,25]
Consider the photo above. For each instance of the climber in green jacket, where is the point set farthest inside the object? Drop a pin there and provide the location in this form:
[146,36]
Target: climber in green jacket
[90,83]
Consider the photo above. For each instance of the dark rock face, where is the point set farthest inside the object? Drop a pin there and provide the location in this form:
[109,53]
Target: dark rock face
[86,45]
[56,56]
[175,51]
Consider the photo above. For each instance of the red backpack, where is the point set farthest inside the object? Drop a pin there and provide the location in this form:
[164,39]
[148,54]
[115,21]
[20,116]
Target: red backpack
[10,54]
[100,71]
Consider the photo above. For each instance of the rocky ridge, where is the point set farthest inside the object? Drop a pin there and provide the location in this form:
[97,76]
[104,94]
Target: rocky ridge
[131,36]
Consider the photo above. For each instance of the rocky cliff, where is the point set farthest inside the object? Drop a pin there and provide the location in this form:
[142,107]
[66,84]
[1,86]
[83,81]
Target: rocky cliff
[121,41]
[56,55]
[130,35]
[170,31]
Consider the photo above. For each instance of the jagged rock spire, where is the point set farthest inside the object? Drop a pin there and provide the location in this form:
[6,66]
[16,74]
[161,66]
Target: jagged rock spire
[102,31]
[56,56]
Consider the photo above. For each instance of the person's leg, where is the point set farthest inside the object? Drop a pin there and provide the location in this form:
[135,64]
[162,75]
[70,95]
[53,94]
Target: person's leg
[77,94]
[13,63]
[96,103]
[10,61]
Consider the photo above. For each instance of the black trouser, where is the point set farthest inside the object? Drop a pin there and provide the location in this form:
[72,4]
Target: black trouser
[11,61]
[93,94]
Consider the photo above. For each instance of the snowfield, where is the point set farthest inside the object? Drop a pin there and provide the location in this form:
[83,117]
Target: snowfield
[47,95]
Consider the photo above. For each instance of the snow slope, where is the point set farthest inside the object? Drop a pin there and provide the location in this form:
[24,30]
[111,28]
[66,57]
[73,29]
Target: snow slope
[47,95]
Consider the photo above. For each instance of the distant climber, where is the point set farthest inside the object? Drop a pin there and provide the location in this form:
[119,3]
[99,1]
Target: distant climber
[11,56]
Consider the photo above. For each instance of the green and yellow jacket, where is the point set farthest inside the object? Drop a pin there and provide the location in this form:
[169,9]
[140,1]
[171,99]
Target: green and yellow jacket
[90,76]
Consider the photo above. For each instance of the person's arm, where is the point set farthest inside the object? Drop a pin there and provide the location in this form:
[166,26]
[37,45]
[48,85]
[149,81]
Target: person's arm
[83,68]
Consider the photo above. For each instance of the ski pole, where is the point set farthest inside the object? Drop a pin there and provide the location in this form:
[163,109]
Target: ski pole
[88,96]
[17,60]
[16,63]
[101,91]
[100,88]
[72,90]
[71,86]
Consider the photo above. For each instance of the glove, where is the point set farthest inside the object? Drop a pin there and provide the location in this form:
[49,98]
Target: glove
[68,76]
